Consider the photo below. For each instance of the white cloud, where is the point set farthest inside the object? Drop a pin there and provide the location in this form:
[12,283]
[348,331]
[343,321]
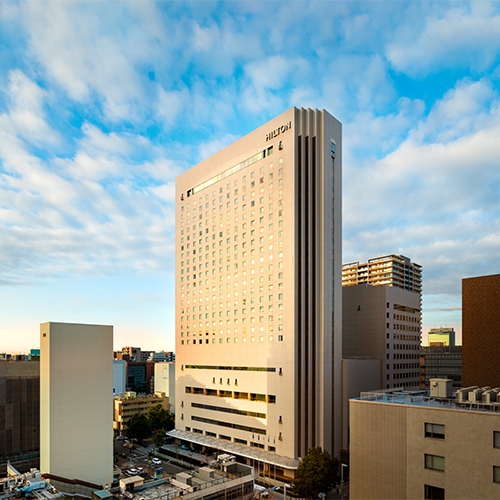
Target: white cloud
[269,81]
[370,135]
[87,54]
[463,109]
[26,116]
[207,149]
[95,213]
[434,197]
[356,83]
[171,104]
[457,38]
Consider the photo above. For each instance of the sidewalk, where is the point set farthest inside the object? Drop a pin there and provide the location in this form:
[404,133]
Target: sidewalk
[338,496]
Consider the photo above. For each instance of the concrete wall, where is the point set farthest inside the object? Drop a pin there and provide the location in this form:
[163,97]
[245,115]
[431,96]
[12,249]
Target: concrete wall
[358,375]
[76,407]
[377,453]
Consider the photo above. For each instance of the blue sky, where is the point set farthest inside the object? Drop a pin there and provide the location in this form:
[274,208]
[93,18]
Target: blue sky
[103,104]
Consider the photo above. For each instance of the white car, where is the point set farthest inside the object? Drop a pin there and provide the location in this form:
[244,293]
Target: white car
[156,461]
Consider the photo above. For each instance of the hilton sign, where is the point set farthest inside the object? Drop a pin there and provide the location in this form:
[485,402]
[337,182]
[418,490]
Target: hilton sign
[279,130]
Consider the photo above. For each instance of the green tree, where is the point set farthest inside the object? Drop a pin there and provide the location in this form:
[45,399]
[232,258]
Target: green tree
[317,472]
[160,419]
[159,439]
[138,427]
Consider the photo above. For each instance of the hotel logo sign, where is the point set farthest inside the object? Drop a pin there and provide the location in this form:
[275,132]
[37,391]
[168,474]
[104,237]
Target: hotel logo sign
[279,130]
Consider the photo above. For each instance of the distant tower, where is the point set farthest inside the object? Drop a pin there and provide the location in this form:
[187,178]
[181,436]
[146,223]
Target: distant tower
[76,405]
[442,337]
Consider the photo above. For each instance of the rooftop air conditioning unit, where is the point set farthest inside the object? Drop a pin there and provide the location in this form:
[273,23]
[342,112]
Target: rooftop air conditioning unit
[475,396]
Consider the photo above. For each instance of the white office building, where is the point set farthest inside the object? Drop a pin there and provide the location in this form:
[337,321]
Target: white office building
[165,381]
[76,407]
[258,284]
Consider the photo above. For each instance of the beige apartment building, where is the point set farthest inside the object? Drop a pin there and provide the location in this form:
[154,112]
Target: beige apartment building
[406,445]
[76,410]
[258,293]
[388,270]
[128,404]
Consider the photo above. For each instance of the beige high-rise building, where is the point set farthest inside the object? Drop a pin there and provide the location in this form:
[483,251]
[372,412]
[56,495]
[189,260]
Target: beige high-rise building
[76,407]
[258,285]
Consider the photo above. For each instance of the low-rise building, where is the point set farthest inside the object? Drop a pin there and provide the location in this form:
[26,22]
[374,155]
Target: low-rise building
[407,444]
[129,404]
[24,485]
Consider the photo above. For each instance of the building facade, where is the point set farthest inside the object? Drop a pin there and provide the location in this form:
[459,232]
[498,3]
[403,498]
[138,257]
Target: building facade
[129,404]
[439,362]
[76,411]
[165,381]
[258,305]
[443,336]
[134,353]
[480,330]
[19,415]
[388,270]
[358,375]
[384,322]
[119,376]
[407,445]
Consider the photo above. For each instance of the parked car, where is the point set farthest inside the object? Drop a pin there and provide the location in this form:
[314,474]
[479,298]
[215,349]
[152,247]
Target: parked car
[121,438]
[156,461]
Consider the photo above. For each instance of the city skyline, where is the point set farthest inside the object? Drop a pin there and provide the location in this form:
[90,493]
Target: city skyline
[102,105]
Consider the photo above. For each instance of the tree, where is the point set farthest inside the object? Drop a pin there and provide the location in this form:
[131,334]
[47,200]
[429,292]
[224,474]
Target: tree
[138,427]
[317,472]
[160,419]
[159,439]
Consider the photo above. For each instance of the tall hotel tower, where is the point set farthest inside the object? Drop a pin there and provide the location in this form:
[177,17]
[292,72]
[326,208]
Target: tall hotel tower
[258,306]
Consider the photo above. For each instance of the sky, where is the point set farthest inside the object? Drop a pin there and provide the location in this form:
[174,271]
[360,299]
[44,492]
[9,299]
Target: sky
[104,103]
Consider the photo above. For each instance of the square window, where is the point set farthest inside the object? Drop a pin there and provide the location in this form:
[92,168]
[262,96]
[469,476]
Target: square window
[434,462]
[496,474]
[496,439]
[433,492]
[435,431]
